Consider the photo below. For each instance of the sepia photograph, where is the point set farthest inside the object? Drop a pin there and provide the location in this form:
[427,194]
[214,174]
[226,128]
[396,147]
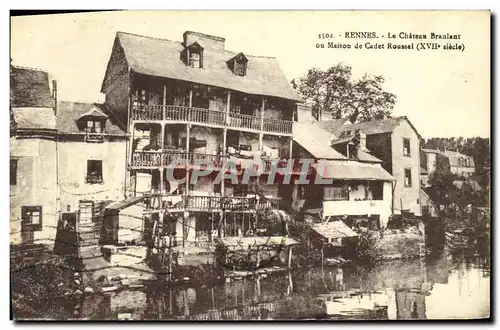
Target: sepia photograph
[250,165]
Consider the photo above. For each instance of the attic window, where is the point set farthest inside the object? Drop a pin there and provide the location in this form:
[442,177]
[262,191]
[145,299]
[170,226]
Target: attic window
[94,126]
[194,55]
[238,65]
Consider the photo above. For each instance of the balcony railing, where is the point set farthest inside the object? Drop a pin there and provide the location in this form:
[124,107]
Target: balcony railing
[141,158]
[179,114]
[208,203]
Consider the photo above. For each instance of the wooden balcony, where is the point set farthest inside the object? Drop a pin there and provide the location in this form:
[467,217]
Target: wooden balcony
[179,203]
[155,159]
[283,164]
[94,137]
[214,118]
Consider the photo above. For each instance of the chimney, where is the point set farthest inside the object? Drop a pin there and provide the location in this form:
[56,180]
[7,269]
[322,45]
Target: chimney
[362,140]
[205,40]
[54,95]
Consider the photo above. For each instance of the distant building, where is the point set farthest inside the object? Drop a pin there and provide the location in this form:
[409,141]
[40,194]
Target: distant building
[454,161]
[33,157]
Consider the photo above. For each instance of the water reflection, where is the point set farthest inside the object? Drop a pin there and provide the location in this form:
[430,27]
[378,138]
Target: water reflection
[440,287]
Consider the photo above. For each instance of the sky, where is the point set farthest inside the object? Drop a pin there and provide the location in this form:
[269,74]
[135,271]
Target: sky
[443,93]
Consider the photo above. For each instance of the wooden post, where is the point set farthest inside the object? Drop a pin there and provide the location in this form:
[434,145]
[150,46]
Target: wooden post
[132,136]
[228,107]
[224,153]
[188,137]
[190,96]
[291,144]
[290,257]
[401,208]
[322,255]
[261,144]
[164,102]
[262,109]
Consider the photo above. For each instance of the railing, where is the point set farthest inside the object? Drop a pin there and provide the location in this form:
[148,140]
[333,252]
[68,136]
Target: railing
[147,112]
[244,121]
[277,125]
[94,137]
[208,203]
[282,164]
[141,158]
[208,116]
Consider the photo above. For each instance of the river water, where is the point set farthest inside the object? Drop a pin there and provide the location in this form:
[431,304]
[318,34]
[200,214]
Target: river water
[446,286]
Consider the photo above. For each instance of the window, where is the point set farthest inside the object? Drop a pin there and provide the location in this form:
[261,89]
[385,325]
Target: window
[407,177]
[94,171]
[336,193]
[353,151]
[94,126]
[406,147]
[377,189]
[194,60]
[32,217]
[240,67]
[13,172]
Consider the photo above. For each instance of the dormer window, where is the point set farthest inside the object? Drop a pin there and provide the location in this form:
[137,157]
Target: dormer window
[94,126]
[93,123]
[238,64]
[194,55]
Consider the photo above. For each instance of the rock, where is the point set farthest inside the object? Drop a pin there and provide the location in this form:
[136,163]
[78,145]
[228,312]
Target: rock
[76,274]
[89,290]
[136,286]
[186,278]
[123,276]
[60,284]
[77,282]
[109,288]
[125,282]
[78,292]
[124,316]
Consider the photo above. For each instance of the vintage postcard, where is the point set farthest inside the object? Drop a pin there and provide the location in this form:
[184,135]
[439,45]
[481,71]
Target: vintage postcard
[250,165]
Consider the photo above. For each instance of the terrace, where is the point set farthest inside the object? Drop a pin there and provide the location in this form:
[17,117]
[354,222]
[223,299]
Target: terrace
[180,203]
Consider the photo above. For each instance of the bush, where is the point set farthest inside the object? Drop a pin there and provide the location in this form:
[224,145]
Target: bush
[367,249]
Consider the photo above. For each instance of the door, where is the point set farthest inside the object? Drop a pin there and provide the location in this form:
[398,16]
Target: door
[85,212]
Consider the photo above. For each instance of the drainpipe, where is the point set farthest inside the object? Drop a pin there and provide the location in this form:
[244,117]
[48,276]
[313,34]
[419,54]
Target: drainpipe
[58,194]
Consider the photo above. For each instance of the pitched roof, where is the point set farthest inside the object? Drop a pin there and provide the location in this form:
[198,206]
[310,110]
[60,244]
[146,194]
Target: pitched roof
[30,88]
[315,140]
[120,205]
[162,58]
[334,229]
[93,112]
[333,125]
[351,170]
[366,156]
[69,112]
[34,118]
[387,125]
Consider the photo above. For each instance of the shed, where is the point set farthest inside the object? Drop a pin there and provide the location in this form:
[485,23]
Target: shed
[123,221]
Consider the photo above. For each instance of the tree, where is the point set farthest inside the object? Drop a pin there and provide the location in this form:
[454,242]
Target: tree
[334,91]
[442,184]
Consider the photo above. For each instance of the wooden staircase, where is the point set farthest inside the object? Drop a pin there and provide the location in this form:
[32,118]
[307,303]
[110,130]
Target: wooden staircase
[89,234]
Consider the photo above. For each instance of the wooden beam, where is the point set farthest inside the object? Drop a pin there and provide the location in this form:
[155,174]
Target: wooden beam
[164,101]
